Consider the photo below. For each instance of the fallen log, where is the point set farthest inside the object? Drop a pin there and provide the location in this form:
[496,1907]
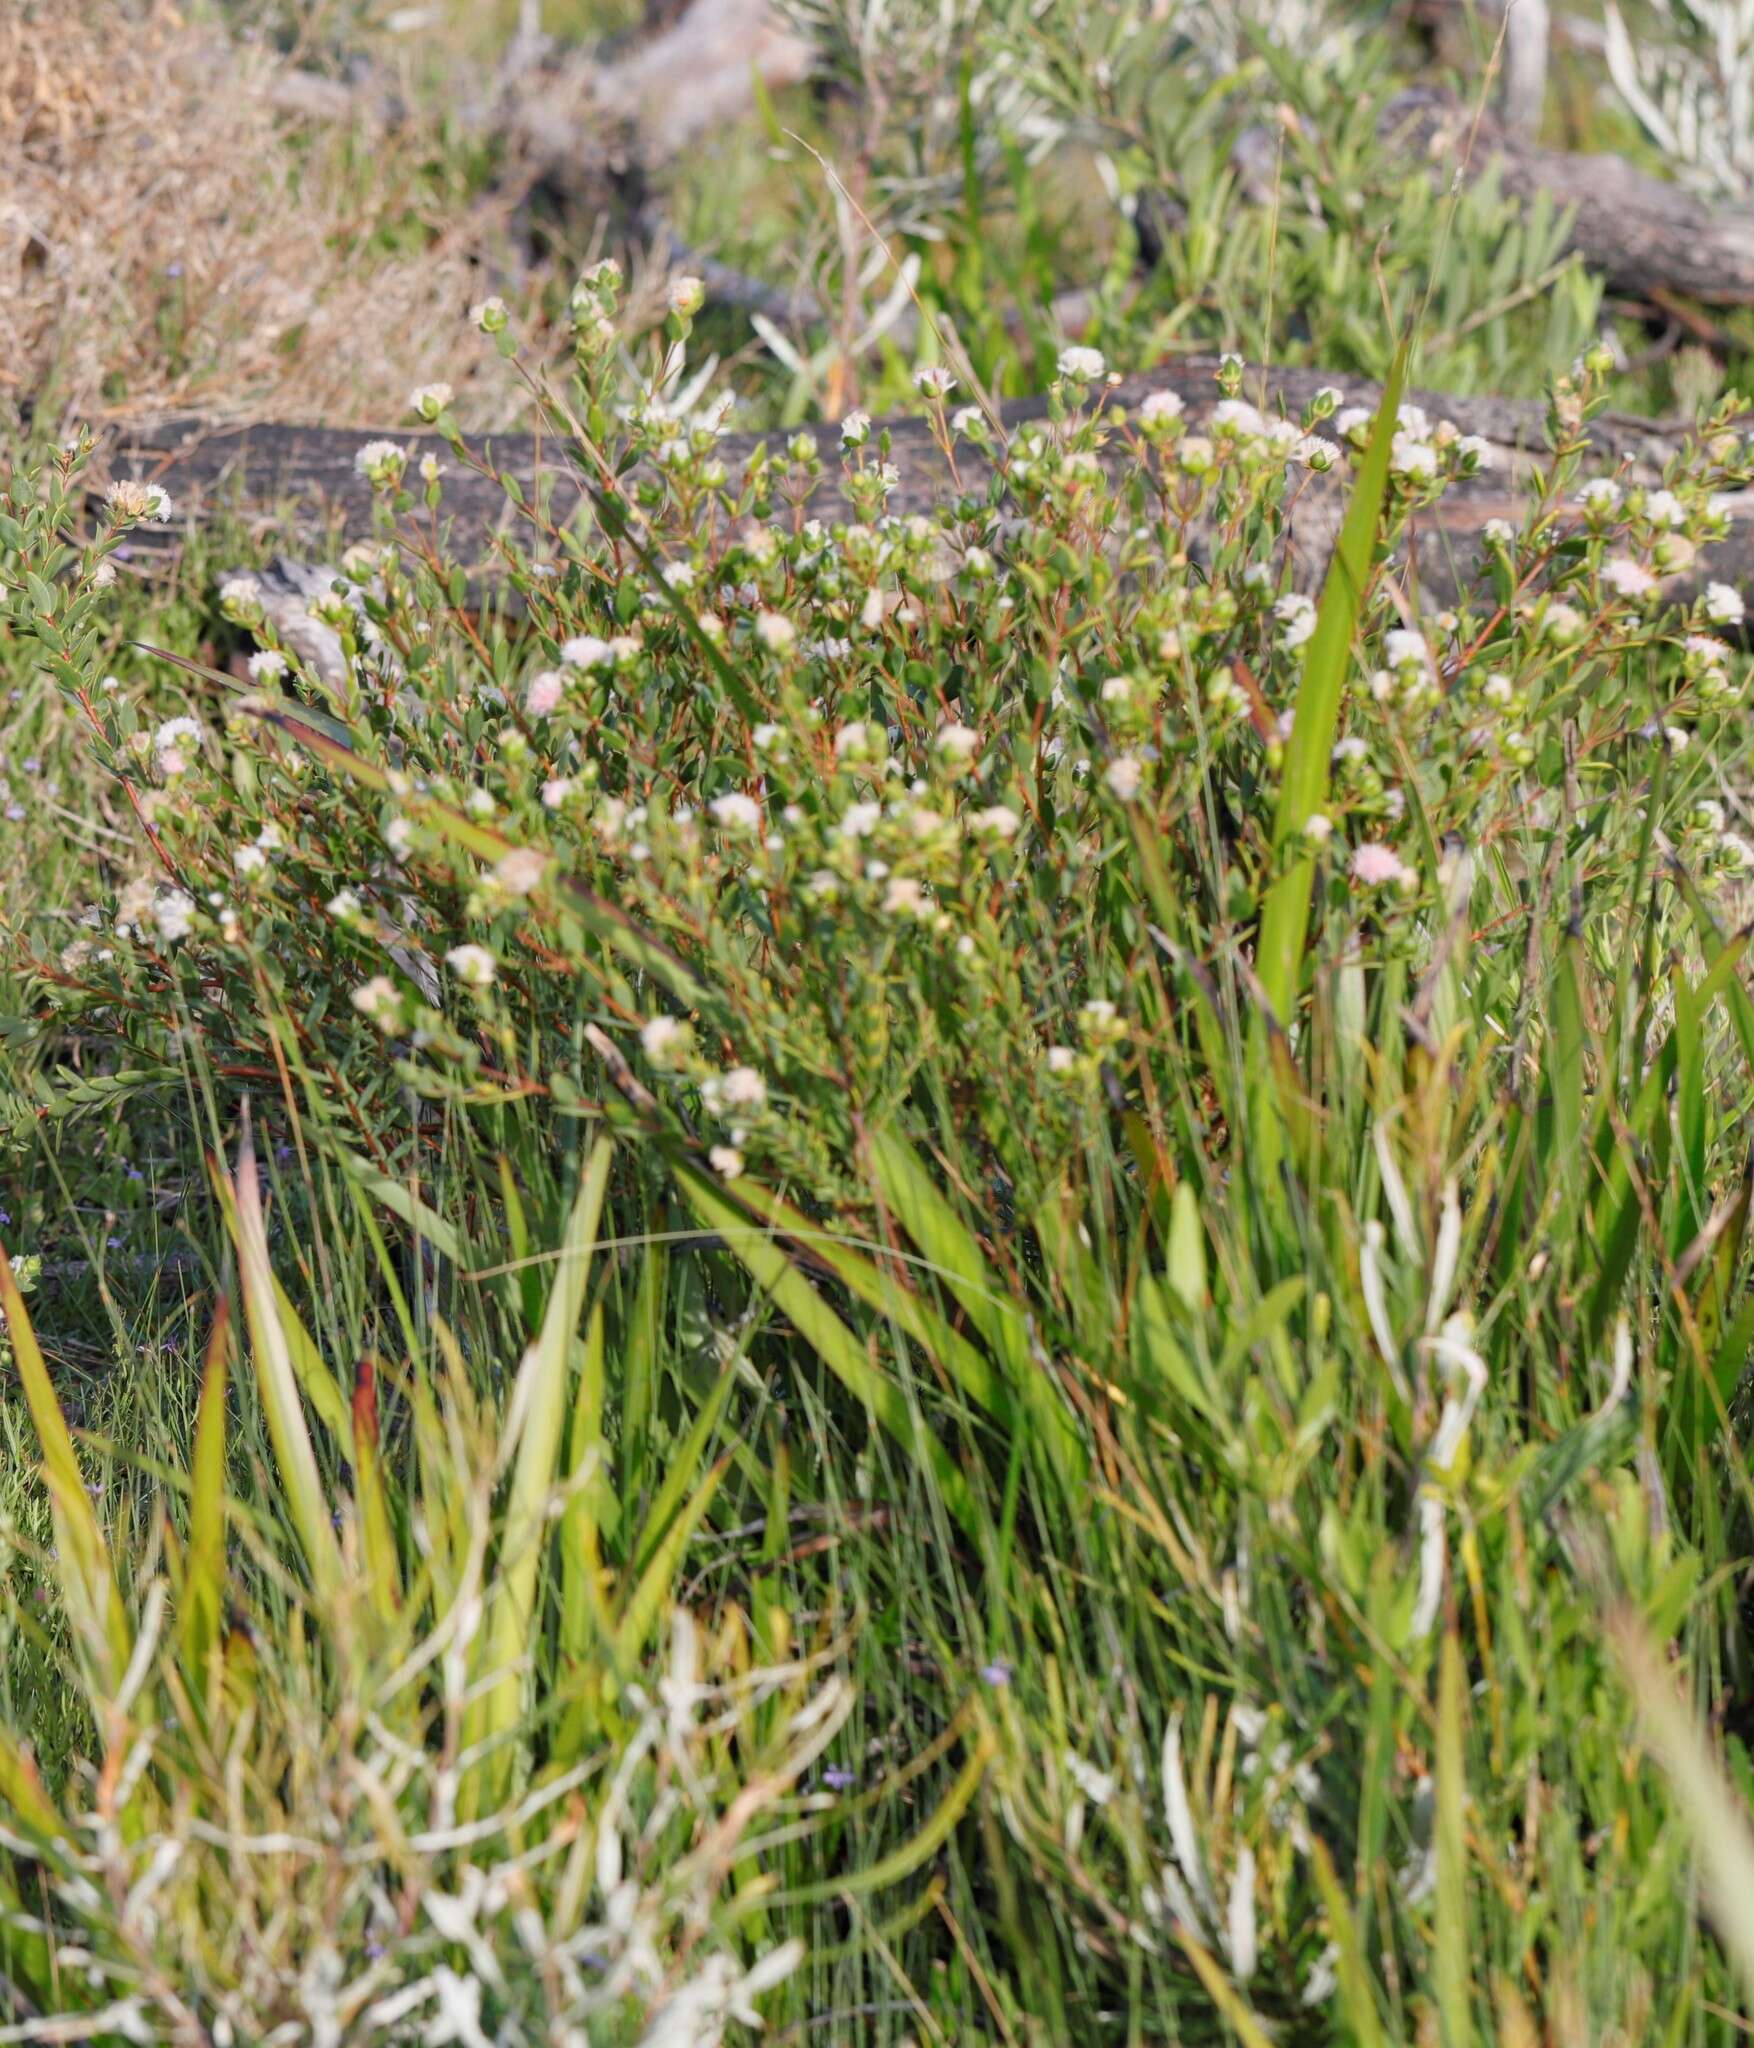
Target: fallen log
[1647,237]
[299,485]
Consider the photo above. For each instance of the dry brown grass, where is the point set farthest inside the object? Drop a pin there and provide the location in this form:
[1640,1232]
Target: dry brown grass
[172,237]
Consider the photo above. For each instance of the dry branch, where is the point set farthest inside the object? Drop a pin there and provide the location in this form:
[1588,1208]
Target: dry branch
[300,480]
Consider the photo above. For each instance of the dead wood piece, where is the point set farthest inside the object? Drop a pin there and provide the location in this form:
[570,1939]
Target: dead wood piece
[590,126]
[303,477]
[1645,235]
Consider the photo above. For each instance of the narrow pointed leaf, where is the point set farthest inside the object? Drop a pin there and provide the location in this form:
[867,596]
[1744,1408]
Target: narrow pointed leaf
[306,1501]
[1309,752]
[836,1345]
[204,1586]
[88,1580]
[539,1400]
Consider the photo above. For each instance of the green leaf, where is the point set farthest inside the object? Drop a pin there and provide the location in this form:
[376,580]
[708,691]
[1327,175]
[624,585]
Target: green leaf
[828,1337]
[204,1584]
[82,1558]
[612,513]
[22,1795]
[863,1277]
[954,1256]
[1187,1249]
[1223,1994]
[316,1382]
[583,1613]
[1714,1816]
[1161,1359]
[1450,1965]
[684,1463]
[538,1409]
[306,1501]
[1356,1999]
[654,1591]
[903,1862]
[1303,788]
[395,1196]
[1566,1048]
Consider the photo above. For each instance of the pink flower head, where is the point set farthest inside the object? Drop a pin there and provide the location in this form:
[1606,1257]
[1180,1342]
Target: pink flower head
[1378,866]
[544,693]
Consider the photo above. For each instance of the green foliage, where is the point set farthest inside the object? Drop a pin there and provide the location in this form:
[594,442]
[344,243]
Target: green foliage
[978,1281]
[1181,175]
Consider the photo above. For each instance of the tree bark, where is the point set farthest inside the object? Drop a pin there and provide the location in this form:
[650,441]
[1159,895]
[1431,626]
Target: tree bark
[300,482]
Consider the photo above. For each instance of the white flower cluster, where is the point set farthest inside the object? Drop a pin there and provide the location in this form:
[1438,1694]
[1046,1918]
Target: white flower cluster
[176,746]
[128,500]
[381,463]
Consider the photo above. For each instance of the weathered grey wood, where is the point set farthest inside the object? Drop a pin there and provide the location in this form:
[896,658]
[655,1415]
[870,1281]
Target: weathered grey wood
[302,478]
[1643,234]
[202,462]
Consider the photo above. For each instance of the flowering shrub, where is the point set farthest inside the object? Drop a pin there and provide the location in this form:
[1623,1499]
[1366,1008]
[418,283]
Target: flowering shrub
[922,750]
[1175,1083]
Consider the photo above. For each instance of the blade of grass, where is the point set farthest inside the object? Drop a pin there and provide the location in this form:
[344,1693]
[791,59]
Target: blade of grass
[584,1609]
[539,1401]
[647,1601]
[306,1502]
[88,1580]
[377,1539]
[685,1461]
[317,1383]
[1451,1911]
[957,1259]
[1223,1993]
[861,1276]
[1714,1815]
[23,1796]
[828,1337]
[902,1862]
[204,1591]
[1308,755]
[1356,2001]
